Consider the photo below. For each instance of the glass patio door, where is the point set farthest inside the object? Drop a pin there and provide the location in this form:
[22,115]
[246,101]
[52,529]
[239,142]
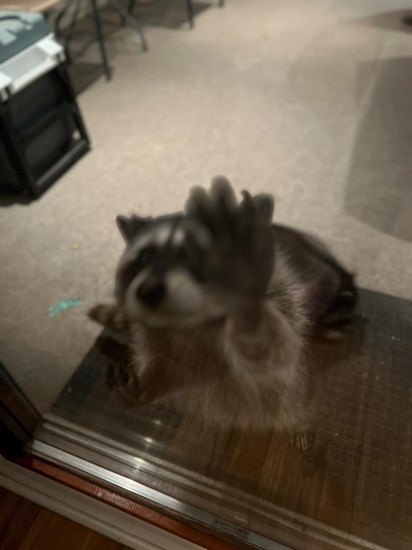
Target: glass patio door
[349,487]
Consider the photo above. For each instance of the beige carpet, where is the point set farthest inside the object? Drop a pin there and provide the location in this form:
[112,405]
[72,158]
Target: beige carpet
[309,100]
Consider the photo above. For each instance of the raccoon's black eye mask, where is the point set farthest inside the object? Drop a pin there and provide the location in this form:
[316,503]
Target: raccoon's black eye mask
[188,253]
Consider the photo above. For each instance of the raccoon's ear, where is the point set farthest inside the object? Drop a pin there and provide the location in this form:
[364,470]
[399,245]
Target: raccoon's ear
[129,227]
[265,206]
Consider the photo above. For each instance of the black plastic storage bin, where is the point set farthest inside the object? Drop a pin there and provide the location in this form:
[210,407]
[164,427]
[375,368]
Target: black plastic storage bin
[42,134]
[41,127]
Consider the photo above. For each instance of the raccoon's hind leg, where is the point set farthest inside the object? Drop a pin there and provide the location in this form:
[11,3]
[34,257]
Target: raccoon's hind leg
[337,320]
[114,319]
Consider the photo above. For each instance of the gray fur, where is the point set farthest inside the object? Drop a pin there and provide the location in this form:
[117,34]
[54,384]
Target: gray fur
[224,341]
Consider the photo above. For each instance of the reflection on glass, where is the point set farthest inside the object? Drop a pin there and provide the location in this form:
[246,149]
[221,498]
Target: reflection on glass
[309,102]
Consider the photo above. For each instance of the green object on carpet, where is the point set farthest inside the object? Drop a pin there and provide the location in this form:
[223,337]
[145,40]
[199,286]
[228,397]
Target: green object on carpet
[62,305]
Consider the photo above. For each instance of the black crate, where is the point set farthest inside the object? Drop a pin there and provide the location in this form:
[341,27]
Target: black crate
[43,134]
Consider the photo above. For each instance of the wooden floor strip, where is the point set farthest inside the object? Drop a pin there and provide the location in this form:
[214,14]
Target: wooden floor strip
[25,525]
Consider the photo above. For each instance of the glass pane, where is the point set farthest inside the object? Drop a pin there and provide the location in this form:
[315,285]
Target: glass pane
[306,101]
[355,467]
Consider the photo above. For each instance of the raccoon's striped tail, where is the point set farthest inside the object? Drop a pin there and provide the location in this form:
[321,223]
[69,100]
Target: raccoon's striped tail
[110,316]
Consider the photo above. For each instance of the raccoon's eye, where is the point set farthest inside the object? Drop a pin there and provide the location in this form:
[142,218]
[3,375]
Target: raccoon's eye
[145,256]
[200,276]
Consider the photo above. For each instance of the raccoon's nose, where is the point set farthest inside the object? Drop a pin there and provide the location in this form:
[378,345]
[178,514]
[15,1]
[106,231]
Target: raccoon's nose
[151,292]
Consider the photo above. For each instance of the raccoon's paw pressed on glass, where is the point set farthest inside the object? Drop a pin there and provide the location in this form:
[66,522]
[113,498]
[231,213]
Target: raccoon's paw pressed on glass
[241,256]
[111,316]
[299,440]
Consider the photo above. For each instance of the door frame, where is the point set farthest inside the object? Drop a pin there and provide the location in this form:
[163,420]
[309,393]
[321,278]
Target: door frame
[94,513]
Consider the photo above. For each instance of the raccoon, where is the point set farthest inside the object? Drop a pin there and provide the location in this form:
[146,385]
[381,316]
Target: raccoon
[217,302]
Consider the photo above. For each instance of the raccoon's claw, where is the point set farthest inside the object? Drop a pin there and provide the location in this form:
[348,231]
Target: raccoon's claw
[299,440]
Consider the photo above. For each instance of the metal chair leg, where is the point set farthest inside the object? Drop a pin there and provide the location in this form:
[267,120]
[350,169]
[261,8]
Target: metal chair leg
[74,18]
[131,21]
[130,7]
[61,13]
[190,13]
[100,38]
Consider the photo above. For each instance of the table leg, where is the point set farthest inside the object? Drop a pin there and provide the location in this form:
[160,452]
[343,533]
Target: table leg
[100,38]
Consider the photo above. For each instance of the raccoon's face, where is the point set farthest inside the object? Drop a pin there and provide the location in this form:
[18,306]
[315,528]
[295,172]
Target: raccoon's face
[161,276]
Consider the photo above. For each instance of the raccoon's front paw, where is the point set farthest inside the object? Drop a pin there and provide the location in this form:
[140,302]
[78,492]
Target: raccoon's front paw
[240,259]
[110,316]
